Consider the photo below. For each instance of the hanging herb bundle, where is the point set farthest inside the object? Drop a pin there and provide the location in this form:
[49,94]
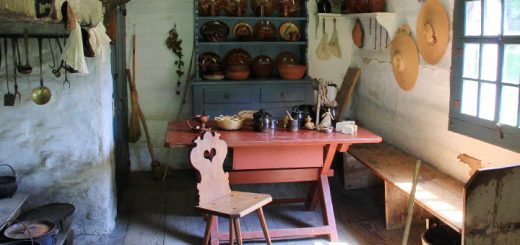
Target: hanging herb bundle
[173,42]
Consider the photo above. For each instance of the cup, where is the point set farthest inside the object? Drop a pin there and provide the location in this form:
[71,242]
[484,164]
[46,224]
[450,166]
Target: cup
[293,125]
[201,120]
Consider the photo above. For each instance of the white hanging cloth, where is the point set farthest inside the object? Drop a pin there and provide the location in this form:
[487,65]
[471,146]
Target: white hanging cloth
[99,40]
[73,53]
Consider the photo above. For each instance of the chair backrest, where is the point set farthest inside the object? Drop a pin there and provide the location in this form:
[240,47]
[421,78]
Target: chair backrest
[207,157]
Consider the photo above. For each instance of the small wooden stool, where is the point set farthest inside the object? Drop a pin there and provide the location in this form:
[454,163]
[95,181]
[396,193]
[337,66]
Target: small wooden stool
[215,195]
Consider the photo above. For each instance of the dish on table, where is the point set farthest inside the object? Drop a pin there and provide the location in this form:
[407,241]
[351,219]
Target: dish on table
[210,7]
[289,8]
[237,56]
[289,31]
[243,31]
[209,62]
[263,7]
[234,7]
[214,31]
[265,30]
[286,58]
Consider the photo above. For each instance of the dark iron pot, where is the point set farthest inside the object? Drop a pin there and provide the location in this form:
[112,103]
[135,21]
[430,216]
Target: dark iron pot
[8,184]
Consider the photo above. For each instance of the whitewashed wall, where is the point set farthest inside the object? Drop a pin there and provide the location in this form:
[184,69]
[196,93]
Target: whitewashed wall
[417,121]
[155,73]
[63,151]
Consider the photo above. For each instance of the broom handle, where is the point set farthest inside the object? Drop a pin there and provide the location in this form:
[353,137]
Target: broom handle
[143,119]
[134,44]
[410,203]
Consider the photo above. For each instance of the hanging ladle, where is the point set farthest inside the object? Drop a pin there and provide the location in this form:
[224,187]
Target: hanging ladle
[66,81]
[16,92]
[27,68]
[9,98]
[42,94]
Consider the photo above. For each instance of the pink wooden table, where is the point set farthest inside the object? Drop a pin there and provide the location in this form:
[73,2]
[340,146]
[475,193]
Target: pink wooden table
[281,157]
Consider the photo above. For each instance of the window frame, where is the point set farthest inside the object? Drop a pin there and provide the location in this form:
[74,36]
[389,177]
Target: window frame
[504,135]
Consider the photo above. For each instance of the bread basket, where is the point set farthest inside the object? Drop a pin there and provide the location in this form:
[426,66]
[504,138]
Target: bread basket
[234,122]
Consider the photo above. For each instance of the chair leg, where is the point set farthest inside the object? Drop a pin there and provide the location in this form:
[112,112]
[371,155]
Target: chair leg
[231,231]
[261,217]
[237,229]
[209,223]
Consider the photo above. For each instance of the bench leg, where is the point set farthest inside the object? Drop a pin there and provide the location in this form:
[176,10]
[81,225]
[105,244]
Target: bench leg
[396,205]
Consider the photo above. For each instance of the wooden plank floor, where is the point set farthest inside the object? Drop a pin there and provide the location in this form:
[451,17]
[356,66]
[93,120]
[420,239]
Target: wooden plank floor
[153,212]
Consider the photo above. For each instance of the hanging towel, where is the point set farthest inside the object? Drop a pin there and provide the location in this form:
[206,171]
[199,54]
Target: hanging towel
[99,40]
[73,52]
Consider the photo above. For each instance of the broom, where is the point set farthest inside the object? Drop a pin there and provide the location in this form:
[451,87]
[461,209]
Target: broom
[156,165]
[134,131]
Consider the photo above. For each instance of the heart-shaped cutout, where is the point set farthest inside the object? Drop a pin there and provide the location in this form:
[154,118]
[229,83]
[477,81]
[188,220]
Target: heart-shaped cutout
[210,154]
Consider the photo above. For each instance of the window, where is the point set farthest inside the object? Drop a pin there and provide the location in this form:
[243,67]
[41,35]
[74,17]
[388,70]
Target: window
[485,72]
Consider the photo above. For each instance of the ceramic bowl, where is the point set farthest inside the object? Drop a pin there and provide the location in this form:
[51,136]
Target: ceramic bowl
[263,71]
[265,30]
[237,75]
[292,72]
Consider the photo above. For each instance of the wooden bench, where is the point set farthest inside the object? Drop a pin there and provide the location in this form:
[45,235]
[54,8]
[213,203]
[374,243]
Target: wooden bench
[485,210]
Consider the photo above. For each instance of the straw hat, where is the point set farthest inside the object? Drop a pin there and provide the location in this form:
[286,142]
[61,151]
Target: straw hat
[404,58]
[433,27]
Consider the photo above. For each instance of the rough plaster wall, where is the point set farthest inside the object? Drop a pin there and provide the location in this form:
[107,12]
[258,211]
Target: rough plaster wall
[417,121]
[155,72]
[63,151]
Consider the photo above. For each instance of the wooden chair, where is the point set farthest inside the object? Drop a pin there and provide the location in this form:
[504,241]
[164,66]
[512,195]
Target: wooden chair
[215,195]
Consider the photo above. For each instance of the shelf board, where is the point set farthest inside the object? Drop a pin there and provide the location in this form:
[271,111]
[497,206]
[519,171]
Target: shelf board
[44,30]
[250,18]
[250,81]
[385,19]
[251,43]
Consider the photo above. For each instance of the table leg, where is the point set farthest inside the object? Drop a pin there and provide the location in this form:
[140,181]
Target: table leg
[312,200]
[214,231]
[328,210]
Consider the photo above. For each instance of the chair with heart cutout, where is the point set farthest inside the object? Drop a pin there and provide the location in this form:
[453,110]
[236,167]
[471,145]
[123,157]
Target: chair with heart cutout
[215,195]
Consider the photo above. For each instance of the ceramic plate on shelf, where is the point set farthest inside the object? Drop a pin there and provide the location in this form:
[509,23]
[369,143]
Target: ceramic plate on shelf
[289,8]
[237,56]
[243,31]
[287,58]
[289,31]
[214,31]
[263,7]
[234,7]
[265,30]
[210,7]
[209,62]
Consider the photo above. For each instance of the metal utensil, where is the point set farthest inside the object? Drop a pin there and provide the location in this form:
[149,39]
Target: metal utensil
[42,94]
[8,98]
[16,92]
[27,68]
[66,79]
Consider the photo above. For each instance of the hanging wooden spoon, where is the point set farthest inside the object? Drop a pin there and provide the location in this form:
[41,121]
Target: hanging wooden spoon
[42,94]
[323,49]
[335,49]
[27,68]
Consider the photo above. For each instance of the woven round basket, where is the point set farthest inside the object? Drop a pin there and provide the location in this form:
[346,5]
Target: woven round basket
[229,122]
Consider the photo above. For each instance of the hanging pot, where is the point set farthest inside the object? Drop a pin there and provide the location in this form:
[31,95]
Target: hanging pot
[8,184]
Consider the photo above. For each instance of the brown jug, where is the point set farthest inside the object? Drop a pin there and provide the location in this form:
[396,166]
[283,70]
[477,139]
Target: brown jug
[362,6]
[376,5]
